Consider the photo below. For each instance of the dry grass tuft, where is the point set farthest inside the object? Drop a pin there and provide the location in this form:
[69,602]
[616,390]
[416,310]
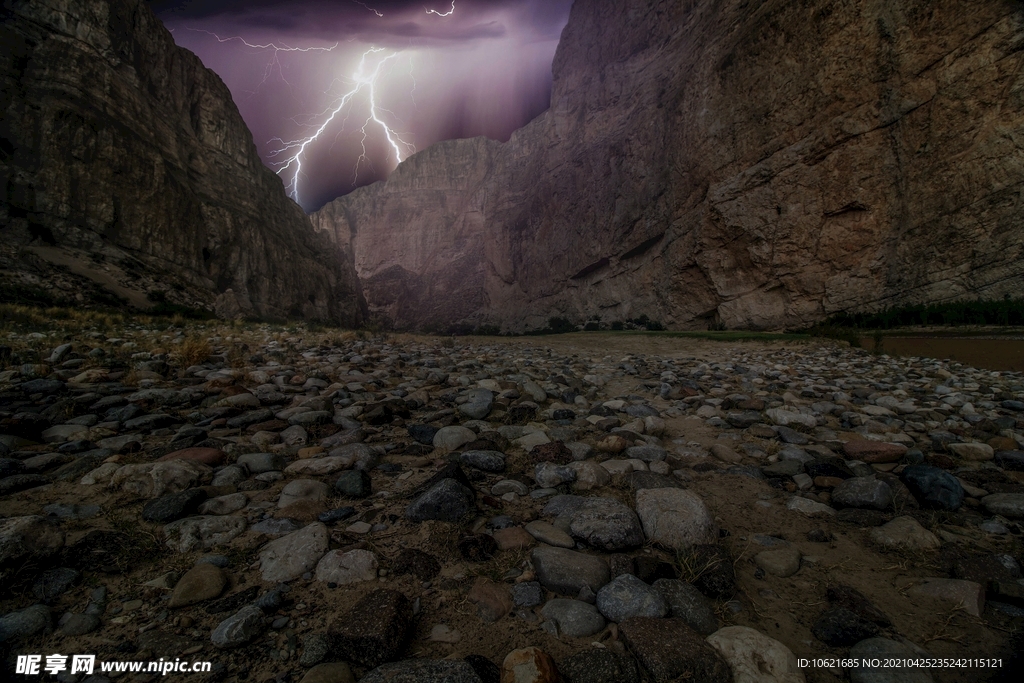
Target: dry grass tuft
[193,351]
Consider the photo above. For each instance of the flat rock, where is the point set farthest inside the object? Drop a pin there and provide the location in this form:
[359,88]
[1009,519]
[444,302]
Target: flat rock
[862,492]
[550,534]
[488,461]
[972,451]
[599,665]
[781,562]
[24,623]
[675,518]
[567,571]
[953,592]
[904,532]
[669,650]
[173,506]
[224,505]
[303,490]
[200,583]
[1009,505]
[453,437]
[375,630]
[754,657]
[343,568]
[258,463]
[155,479]
[289,557]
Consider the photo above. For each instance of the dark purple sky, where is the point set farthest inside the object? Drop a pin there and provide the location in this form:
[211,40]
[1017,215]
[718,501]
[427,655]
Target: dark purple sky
[304,71]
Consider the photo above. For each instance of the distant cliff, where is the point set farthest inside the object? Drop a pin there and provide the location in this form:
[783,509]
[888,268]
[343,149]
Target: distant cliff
[126,169]
[706,162]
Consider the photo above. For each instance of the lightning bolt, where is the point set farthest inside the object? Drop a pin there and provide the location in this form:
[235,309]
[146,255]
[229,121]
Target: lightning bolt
[274,61]
[379,14]
[288,157]
[442,14]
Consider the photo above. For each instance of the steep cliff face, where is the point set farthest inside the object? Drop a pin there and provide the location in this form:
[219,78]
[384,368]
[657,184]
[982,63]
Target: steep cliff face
[756,164]
[126,166]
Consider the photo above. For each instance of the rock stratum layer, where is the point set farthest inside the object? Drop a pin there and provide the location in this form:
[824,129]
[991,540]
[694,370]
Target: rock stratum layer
[126,168]
[757,165]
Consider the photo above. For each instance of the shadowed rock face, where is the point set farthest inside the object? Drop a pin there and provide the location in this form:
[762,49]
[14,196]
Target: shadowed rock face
[714,161]
[126,166]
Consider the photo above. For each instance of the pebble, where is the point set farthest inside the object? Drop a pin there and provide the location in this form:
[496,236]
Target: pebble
[782,562]
[240,628]
[289,557]
[566,571]
[202,582]
[904,532]
[675,518]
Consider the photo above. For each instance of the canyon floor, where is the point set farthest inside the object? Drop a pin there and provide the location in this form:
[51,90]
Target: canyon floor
[308,504]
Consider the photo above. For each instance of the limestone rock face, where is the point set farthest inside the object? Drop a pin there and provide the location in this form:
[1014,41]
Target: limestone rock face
[127,169]
[709,162]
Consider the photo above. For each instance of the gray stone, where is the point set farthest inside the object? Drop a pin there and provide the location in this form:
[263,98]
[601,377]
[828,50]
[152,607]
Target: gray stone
[550,534]
[54,582]
[239,628]
[527,594]
[343,568]
[452,437]
[29,537]
[689,604]
[549,475]
[257,463]
[478,405]
[79,624]
[1009,505]
[447,500]
[566,571]
[599,665]
[573,618]
[646,453]
[24,623]
[488,461]
[675,518]
[315,648]
[607,524]
[933,487]
[862,492]
[353,484]
[224,505]
[173,506]
[289,557]
[626,596]
[782,562]
[904,532]
[303,490]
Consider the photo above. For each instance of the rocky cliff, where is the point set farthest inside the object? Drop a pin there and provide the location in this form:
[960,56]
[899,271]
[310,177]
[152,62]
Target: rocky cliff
[127,169]
[757,164]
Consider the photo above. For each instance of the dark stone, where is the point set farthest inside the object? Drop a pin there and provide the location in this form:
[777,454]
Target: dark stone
[375,630]
[423,671]
[488,461]
[250,418]
[643,479]
[42,386]
[173,506]
[642,410]
[76,446]
[477,548]
[555,451]
[744,419]
[10,466]
[450,471]
[336,515]
[563,414]
[932,487]
[519,414]
[122,414]
[987,569]
[21,482]
[448,501]
[828,468]
[353,484]
[1010,460]
[791,436]
[853,600]
[232,603]
[820,536]
[53,582]
[598,665]
[670,650]
[687,603]
[423,566]
[488,671]
[861,517]
[839,627]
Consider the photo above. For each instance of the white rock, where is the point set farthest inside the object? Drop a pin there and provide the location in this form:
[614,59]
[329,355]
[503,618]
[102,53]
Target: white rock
[155,479]
[291,556]
[754,657]
[344,568]
[194,533]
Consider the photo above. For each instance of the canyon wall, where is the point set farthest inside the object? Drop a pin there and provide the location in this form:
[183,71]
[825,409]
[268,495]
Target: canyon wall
[126,172]
[707,162]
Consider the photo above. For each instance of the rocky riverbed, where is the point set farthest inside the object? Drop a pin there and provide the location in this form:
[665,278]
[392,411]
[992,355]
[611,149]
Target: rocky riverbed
[325,507]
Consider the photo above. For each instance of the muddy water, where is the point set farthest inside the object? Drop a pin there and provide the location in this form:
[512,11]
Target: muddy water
[988,353]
